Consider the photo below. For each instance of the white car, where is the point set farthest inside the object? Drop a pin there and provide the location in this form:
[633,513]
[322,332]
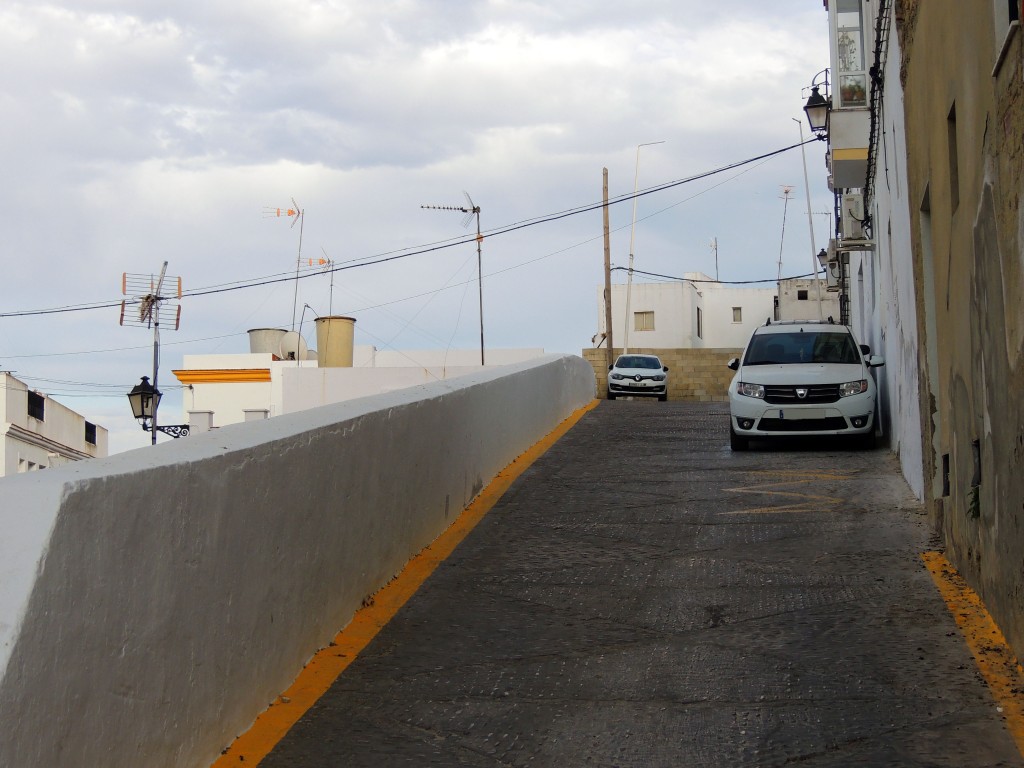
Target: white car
[802,378]
[642,375]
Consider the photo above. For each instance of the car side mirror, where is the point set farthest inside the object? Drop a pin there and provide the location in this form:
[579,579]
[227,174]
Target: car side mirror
[876,361]
[664,368]
[865,349]
[610,367]
[734,364]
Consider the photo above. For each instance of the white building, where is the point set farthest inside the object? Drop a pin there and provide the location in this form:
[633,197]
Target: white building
[799,297]
[227,389]
[38,432]
[697,312]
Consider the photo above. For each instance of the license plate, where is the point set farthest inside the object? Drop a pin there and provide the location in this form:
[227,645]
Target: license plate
[797,414]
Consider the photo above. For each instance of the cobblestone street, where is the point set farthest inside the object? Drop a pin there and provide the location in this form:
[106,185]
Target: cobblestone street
[643,596]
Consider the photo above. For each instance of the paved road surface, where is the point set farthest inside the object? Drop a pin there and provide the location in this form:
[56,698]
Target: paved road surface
[644,597]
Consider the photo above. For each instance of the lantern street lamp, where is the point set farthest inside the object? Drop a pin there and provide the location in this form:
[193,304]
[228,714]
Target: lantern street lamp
[145,399]
[818,107]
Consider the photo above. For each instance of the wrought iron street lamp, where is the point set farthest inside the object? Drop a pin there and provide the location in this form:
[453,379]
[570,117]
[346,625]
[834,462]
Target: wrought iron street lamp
[818,107]
[145,400]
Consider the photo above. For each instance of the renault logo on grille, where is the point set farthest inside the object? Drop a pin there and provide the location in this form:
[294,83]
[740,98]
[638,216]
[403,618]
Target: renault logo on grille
[801,392]
[638,377]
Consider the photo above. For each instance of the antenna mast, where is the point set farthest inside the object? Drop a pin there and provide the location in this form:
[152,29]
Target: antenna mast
[471,209]
[149,295]
[787,192]
[300,217]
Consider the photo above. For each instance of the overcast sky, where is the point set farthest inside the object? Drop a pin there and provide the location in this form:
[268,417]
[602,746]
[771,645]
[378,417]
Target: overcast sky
[134,133]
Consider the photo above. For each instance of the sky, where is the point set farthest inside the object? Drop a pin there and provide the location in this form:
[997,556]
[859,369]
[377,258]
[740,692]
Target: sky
[135,133]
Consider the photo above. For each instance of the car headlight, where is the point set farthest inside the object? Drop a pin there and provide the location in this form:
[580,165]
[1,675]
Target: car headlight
[853,388]
[617,376]
[658,378]
[750,390]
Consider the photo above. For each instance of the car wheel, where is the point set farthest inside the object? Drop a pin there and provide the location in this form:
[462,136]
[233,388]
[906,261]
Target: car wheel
[611,396]
[737,442]
[662,398]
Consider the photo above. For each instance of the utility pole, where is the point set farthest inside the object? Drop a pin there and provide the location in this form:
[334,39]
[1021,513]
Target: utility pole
[607,277]
[714,250]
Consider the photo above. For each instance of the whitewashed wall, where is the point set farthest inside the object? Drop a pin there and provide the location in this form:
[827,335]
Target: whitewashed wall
[154,602]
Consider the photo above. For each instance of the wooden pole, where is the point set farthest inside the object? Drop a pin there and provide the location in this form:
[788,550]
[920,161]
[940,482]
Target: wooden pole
[607,277]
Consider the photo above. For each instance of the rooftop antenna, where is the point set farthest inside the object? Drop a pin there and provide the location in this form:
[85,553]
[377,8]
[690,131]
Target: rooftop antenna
[787,192]
[714,250]
[297,215]
[158,300]
[471,209]
[327,264]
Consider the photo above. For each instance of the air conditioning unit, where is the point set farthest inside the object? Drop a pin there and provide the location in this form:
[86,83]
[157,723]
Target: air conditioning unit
[853,216]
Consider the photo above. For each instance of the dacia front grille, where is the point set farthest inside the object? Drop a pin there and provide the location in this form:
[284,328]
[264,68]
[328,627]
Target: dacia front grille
[812,395]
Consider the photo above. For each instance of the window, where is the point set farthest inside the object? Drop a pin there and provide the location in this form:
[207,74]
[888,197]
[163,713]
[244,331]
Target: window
[737,314]
[643,321]
[801,295]
[36,406]
[90,433]
[700,324]
[853,80]
[954,164]
[1006,14]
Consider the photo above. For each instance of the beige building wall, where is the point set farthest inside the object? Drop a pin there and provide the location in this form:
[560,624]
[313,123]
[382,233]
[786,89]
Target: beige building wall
[964,111]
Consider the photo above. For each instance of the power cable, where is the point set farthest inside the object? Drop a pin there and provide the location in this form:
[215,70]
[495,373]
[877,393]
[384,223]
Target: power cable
[420,250]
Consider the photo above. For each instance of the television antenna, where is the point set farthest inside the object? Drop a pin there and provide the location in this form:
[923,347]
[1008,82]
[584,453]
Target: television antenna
[297,215]
[471,210]
[158,300]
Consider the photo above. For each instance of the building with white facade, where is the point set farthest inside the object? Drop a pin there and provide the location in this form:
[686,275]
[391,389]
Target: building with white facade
[800,299]
[232,388]
[37,432]
[701,313]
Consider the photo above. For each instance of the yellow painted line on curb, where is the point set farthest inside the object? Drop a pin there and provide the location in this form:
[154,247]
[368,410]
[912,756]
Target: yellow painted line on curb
[996,662]
[325,667]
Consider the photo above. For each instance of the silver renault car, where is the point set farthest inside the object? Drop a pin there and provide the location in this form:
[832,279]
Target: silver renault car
[642,375]
[802,378]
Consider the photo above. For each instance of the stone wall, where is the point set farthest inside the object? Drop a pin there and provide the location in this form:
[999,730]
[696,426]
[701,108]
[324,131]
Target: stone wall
[693,374]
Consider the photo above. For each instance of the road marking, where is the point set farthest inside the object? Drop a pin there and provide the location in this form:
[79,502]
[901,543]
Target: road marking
[810,502]
[996,662]
[325,667]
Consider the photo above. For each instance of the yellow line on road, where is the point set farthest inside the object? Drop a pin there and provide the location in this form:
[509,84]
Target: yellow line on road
[325,667]
[996,662]
[811,502]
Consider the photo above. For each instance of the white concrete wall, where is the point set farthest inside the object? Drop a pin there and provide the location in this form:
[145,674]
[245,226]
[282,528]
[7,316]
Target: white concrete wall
[154,602]
[882,288]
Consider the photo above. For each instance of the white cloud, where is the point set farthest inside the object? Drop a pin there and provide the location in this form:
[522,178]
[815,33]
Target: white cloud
[138,132]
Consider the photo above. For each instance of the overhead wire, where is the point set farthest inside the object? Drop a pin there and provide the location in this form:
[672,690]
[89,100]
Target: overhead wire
[394,255]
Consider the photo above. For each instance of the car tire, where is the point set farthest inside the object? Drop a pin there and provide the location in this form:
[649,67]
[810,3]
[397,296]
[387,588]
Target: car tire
[611,396]
[737,442]
[662,398]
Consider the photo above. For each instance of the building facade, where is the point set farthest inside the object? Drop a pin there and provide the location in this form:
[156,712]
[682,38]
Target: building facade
[931,267]
[694,313]
[37,432]
[961,71]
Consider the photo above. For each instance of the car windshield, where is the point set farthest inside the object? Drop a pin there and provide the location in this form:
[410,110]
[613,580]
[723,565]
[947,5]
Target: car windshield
[801,347]
[638,361]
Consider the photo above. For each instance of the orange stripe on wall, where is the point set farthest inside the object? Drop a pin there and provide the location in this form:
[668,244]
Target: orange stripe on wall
[222,375]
